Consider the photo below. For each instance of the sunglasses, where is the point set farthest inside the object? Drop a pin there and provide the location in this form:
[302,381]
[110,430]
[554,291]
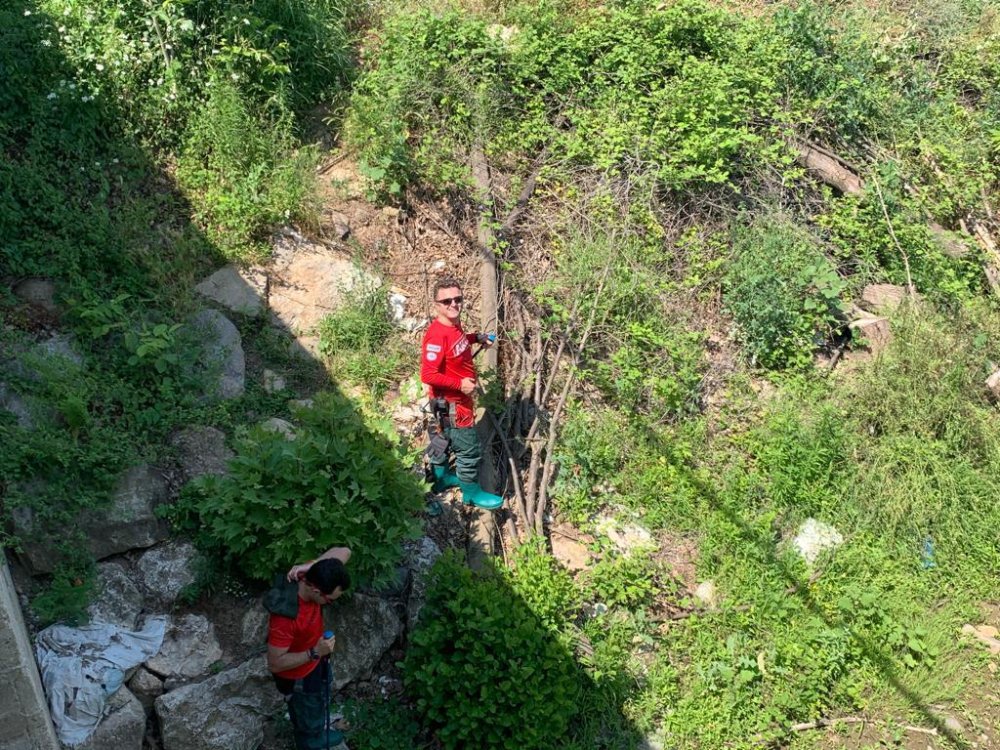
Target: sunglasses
[448,301]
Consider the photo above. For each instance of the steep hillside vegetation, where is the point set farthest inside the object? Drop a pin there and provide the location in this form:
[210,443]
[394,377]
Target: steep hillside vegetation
[688,204]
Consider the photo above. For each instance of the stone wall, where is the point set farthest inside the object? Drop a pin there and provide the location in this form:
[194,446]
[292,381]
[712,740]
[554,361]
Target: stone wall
[24,714]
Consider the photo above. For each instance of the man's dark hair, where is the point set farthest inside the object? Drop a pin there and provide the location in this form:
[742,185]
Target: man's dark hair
[445,283]
[329,575]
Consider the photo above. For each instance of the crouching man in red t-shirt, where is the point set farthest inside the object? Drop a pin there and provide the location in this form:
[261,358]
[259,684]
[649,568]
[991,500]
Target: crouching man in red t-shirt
[447,368]
[297,653]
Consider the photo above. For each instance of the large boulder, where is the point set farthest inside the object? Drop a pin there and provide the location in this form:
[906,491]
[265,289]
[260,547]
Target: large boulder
[225,712]
[223,361]
[366,626]
[239,290]
[166,569]
[146,687]
[40,293]
[308,281]
[201,451]
[129,521]
[118,600]
[123,726]
[189,650]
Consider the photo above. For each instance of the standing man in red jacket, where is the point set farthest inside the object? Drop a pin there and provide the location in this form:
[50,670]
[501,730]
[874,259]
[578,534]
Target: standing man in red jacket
[446,366]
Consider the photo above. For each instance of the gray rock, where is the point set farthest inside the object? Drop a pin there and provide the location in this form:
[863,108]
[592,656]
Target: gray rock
[308,281]
[123,726]
[166,569]
[366,626]
[420,556]
[146,687]
[201,451]
[39,293]
[189,649]
[130,522]
[225,712]
[279,425]
[273,382]
[60,346]
[19,406]
[118,600]
[253,629]
[340,225]
[242,291]
[222,359]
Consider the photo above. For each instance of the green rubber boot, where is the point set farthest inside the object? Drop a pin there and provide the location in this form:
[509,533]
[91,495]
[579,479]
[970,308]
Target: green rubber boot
[443,479]
[473,494]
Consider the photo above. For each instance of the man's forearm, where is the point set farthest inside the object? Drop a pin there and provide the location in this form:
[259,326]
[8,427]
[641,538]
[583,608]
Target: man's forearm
[288,660]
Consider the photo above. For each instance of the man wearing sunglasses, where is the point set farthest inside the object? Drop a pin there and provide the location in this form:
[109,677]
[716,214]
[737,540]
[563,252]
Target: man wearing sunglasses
[298,651]
[447,368]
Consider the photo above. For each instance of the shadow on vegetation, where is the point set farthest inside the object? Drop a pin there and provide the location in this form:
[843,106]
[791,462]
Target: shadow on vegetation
[767,554]
[87,207]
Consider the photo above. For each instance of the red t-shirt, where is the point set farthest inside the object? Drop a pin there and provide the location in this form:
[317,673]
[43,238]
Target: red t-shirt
[446,358]
[300,634]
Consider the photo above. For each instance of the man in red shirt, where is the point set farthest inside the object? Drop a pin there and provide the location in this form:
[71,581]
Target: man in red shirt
[297,653]
[446,366]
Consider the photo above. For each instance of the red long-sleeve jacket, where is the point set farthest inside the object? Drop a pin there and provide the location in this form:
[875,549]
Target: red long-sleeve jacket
[446,358]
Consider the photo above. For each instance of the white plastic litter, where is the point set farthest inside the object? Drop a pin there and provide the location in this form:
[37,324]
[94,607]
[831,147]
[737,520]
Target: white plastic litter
[82,667]
[815,537]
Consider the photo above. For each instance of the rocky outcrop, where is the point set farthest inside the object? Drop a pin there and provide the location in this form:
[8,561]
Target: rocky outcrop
[201,451]
[118,600]
[874,333]
[222,361]
[189,650]
[366,626]
[241,291]
[166,569]
[40,293]
[224,712]
[308,281]
[123,726]
[146,687]
[128,522]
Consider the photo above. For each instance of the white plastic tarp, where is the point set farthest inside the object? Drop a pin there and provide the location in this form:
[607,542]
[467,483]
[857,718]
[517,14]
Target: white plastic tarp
[82,667]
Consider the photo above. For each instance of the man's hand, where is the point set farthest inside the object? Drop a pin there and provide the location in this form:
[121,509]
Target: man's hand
[297,571]
[468,386]
[324,646]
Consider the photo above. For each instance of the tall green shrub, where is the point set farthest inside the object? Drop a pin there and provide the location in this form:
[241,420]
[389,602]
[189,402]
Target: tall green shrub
[783,293]
[484,670]
[287,499]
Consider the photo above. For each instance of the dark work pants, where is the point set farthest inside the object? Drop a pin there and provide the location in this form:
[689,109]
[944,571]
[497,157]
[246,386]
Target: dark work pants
[308,702]
[465,444]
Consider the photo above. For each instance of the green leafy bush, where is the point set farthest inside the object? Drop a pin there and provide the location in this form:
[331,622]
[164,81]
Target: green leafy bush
[335,483]
[244,169]
[627,580]
[783,293]
[67,595]
[544,586]
[484,670]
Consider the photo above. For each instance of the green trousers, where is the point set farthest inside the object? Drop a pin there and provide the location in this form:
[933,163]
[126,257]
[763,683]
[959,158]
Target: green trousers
[465,445]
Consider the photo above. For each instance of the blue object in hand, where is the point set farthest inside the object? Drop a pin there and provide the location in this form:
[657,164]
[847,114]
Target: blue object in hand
[327,635]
